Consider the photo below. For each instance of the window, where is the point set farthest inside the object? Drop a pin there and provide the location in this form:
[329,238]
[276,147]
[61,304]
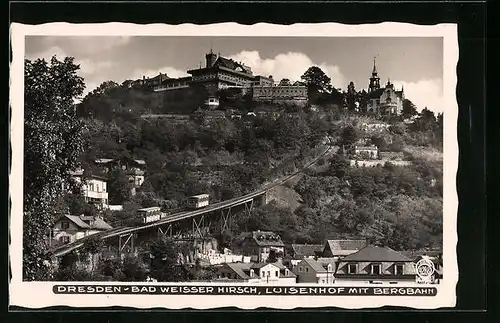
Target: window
[97,185]
[398,269]
[307,269]
[64,239]
[376,269]
[277,273]
[65,225]
[91,186]
[300,268]
[352,269]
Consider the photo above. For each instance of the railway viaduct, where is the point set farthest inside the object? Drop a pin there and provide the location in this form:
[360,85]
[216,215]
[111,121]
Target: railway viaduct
[185,225]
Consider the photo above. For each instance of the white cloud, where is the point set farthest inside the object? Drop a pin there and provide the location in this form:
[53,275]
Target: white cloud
[87,66]
[87,45]
[424,93]
[170,71]
[289,65]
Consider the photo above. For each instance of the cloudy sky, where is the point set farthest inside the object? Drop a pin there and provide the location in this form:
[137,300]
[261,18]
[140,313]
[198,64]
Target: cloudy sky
[415,63]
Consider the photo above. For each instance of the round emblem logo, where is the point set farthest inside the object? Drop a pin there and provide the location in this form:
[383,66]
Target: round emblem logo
[425,269]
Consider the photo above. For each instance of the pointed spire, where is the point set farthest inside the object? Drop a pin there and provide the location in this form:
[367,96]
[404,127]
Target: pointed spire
[374,72]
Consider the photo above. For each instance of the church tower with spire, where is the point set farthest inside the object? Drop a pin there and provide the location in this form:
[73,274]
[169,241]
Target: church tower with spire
[374,80]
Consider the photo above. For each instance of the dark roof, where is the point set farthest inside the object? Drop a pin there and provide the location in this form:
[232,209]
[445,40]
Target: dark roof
[228,63]
[307,249]
[375,253]
[346,245]
[240,269]
[80,221]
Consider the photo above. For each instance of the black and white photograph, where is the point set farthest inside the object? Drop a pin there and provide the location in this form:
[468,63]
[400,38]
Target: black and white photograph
[234,165]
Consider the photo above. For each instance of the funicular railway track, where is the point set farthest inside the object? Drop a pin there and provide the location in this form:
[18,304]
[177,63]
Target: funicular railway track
[175,217]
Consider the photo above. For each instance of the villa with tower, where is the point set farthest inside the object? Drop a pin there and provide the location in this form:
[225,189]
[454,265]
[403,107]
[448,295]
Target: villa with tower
[384,100]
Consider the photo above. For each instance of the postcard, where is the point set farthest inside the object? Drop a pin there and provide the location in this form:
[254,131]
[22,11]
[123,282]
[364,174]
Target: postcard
[226,165]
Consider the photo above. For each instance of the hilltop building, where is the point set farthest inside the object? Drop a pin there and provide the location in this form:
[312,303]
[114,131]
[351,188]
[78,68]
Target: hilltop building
[217,74]
[384,101]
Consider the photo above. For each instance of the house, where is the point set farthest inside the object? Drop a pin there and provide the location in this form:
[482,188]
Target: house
[69,228]
[279,93]
[313,271]
[260,245]
[300,251]
[342,248]
[221,73]
[134,168]
[93,188]
[267,273]
[384,101]
[366,152]
[375,264]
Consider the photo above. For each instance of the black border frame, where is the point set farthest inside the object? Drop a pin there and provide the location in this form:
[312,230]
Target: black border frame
[471,89]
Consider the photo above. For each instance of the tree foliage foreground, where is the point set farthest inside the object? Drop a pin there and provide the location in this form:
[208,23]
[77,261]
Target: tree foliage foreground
[52,146]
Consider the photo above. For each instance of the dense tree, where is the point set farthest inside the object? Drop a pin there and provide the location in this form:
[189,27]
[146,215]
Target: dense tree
[52,145]
[119,186]
[285,82]
[409,109]
[165,266]
[316,80]
[348,137]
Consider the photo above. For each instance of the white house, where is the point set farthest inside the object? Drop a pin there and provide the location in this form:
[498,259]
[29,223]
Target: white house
[313,271]
[258,273]
[69,228]
[94,188]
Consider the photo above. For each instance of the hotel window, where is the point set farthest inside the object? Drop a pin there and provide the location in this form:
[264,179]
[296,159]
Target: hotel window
[398,269]
[352,269]
[376,269]
[65,225]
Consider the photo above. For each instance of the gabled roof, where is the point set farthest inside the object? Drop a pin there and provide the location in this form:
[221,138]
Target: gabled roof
[240,269]
[375,253]
[316,266]
[80,221]
[345,245]
[307,249]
